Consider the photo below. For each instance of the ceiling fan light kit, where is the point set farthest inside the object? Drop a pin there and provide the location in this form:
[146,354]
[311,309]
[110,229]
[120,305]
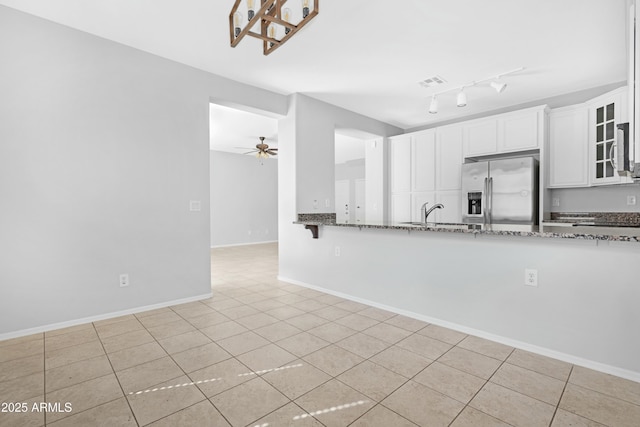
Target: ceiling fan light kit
[262,150]
[461,98]
[270,17]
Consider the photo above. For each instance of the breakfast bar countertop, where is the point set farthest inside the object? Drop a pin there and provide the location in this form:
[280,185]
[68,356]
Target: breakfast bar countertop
[586,232]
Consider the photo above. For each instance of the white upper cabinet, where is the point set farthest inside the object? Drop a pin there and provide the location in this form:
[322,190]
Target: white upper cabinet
[520,131]
[449,158]
[505,133]
[569,147]
[605,112]
[481,137]
[423,161]
[400,173]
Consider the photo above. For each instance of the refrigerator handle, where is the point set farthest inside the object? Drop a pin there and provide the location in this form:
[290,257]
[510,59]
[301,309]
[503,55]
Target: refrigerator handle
[490,201]
[485,198]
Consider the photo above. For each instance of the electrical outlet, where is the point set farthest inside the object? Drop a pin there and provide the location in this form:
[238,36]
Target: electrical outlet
[315,204]
[337,251]
[631,200]
[327,203]
[555,201]
[124,280]
[531,277]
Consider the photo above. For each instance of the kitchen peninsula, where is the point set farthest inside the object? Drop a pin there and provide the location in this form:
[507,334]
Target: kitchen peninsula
[472,278]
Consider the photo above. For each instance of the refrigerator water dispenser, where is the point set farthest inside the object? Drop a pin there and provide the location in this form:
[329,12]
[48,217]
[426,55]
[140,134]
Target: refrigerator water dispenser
[474,203]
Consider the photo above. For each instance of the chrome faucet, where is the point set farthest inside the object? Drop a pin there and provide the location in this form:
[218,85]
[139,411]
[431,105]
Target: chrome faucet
[424,212]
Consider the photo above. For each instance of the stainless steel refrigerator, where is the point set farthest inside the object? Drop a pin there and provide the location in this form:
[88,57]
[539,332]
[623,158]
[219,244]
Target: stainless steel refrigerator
[500,191]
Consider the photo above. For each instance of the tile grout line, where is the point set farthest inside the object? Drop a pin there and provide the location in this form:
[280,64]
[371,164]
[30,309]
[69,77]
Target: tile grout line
[44,373]
[117,379]
[561,395]
[483,386]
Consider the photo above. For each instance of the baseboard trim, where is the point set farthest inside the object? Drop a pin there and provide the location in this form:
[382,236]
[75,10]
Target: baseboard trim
[243,244]
[543,351]
[66,324]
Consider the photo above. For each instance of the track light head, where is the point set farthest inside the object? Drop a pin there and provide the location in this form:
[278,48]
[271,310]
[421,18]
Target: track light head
[461,99]
[433,106]
[498,86]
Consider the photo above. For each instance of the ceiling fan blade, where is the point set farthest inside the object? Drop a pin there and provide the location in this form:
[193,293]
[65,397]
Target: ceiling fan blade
[273,153]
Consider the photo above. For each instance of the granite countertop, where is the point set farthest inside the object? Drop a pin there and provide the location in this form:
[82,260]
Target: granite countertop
[623,234]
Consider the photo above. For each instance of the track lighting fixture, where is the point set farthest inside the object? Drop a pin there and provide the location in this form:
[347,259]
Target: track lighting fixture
[433,106]
[461,97]
[498,85]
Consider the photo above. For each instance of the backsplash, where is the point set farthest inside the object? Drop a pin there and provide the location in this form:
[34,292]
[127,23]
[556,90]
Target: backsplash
[609,198]
[613,218]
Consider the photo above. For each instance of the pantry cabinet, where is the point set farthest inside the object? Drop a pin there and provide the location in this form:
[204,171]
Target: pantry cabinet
[423,165]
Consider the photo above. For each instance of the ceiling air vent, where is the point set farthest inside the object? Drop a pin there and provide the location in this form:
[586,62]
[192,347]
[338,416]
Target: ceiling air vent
[434,81]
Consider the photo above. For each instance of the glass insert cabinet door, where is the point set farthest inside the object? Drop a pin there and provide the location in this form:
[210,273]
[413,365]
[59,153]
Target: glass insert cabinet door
[605,141]
[605,113]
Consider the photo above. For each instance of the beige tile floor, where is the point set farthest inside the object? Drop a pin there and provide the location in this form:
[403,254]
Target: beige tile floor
[266,353]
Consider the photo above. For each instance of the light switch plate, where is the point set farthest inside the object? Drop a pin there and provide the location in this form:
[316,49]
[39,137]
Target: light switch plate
[195,205]
[631,200]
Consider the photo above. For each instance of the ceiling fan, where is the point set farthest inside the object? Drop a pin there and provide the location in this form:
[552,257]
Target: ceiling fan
[262,150]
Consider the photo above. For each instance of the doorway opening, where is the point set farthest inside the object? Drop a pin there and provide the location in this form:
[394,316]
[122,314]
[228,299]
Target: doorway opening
[243,177]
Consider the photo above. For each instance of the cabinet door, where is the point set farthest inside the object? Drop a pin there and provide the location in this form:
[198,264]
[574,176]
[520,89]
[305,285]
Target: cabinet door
[423,162]
[569,147]
[452,202]
[604,114]
[481,138]
[417,200]
[518,131]
[449,158]
[401,207]
[400,164]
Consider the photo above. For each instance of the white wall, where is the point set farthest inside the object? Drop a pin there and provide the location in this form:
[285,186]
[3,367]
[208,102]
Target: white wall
[244,199]
[315,123]
[101,149]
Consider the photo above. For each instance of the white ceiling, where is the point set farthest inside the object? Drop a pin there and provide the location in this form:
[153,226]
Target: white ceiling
[238,131]
[368,55]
